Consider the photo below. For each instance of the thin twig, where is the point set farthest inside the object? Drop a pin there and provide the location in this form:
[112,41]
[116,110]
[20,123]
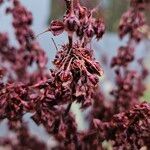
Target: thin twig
[68,109]
[55,44]
[42,33]
[70,41]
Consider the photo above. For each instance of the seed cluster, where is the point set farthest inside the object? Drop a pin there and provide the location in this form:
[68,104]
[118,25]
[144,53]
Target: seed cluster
[130,22]
[125,126]
[28,52]
[76,73]
[129,130]
[78,19]
[140,4]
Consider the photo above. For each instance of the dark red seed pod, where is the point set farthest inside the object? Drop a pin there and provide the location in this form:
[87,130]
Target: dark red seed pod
[81,11]
[56,27]
[8,10]
[65,76]
[93,79]
[99,28]
[71,23]
[89,31]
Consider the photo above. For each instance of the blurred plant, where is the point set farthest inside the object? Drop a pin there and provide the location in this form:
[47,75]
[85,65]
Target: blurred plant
[126,132]
[48,96]
[113,12]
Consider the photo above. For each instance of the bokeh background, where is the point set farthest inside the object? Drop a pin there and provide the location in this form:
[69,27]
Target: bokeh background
[46,10]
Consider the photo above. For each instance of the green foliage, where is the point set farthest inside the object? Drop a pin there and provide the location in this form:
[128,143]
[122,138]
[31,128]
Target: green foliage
[113,13]
[57,9]
[147,96]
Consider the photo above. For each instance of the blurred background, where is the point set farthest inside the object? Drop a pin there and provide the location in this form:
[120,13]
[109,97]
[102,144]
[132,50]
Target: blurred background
[111,10]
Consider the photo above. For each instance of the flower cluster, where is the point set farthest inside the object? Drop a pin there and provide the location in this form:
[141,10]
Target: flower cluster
[21,20]
[19,59]
[79,20]
[103,108]
[140,4]
[129,89]
[130,22]
[14,102]
[78,70]
[124,56]
[22,139]
[129,130]
[76,73]
[130,86]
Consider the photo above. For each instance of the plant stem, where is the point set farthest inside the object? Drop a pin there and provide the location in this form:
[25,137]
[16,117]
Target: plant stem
[68,109]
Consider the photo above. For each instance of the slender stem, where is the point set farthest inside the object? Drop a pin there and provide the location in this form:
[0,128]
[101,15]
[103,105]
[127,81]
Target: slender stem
[41,33]
[68,109]
[68,4]
[55,44]
[66,58]
[69,64]
[70,38]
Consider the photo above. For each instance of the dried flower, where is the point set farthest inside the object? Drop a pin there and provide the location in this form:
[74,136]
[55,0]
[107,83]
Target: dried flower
[129,130]
[140,4]
[130,22]
[124,57]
